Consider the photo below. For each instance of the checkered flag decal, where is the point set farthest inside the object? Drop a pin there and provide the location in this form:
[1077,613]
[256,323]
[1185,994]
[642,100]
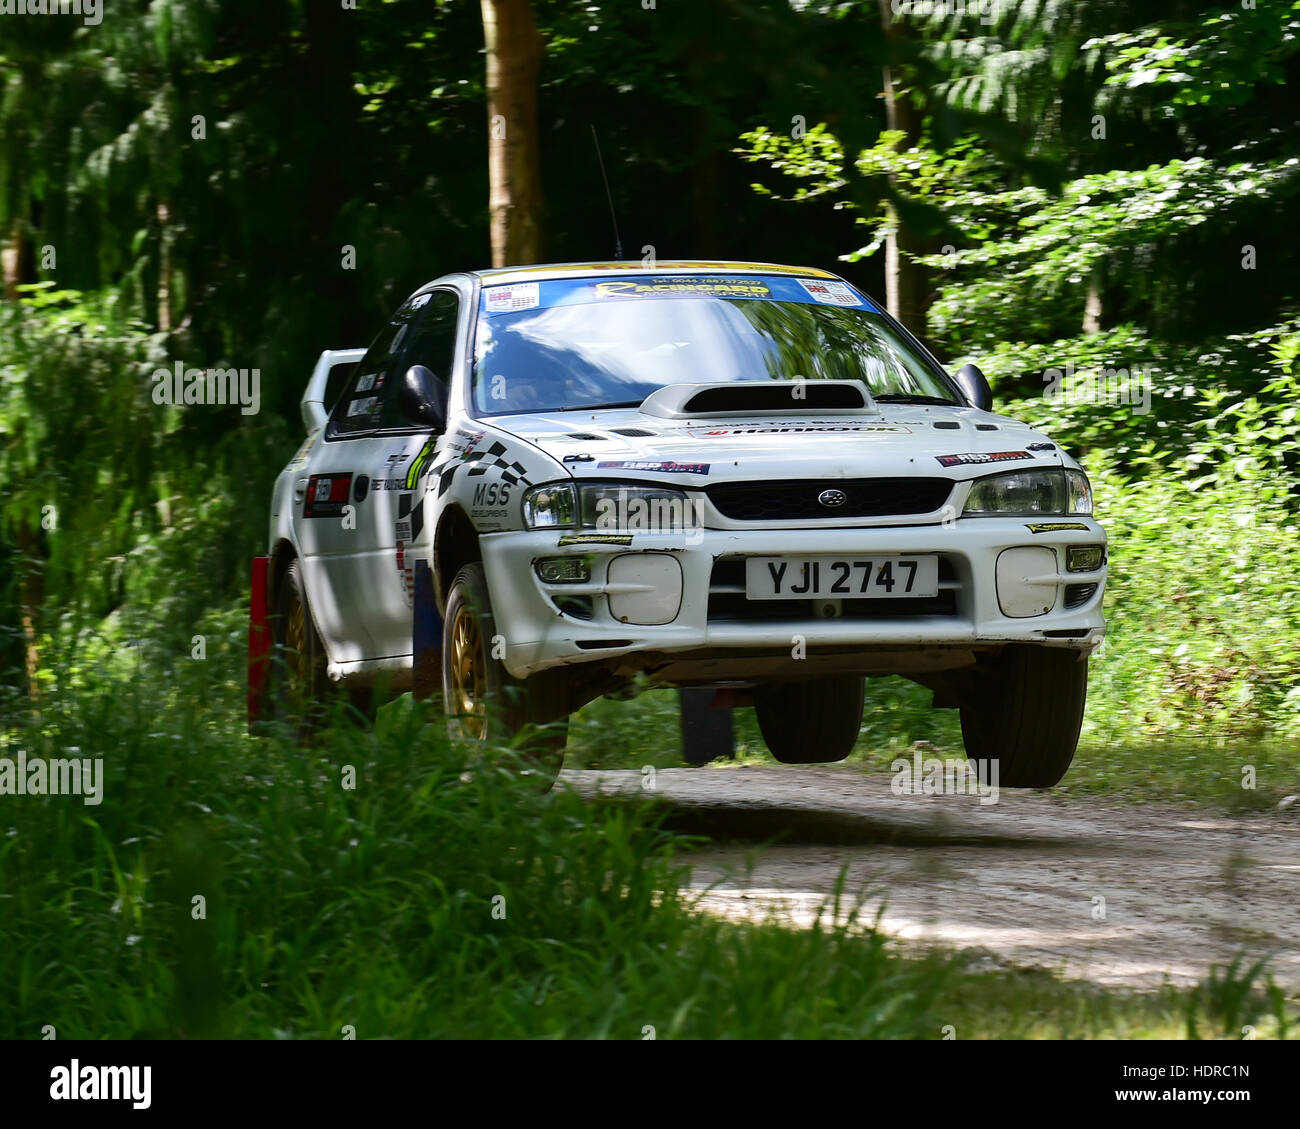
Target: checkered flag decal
[491,459]
[410,517]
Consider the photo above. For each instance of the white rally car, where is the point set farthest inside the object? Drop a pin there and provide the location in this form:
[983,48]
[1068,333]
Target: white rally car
[538,484]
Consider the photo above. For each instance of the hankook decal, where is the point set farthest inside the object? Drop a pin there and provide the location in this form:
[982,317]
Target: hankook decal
[796,429]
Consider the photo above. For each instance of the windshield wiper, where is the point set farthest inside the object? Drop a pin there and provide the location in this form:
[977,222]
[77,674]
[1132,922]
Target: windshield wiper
[909,398]
[602,407]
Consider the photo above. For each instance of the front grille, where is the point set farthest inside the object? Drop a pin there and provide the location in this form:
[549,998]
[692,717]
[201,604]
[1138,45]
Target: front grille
[728,603]
[864,497]
[1078,594]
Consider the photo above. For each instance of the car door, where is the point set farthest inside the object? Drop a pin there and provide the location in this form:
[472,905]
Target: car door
[398,502]
[346,527]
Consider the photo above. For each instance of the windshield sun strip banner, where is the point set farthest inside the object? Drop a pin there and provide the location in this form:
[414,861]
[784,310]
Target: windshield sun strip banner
[519,296]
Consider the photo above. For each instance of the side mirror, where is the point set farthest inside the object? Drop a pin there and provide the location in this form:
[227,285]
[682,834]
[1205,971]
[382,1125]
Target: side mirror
[419,398]
[975,386]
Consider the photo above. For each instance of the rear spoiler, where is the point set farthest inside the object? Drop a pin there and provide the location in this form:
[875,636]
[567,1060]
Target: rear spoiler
[314,409]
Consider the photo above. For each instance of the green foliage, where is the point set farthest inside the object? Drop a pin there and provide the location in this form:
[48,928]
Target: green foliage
[1215,60]
[324,906]
[1028,282]
[103,479]
[1234,999]
[441,897]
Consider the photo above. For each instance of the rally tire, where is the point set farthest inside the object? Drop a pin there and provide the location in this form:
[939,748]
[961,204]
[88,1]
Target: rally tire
[483,701]
[812,722]
[298,680]
[1028,717]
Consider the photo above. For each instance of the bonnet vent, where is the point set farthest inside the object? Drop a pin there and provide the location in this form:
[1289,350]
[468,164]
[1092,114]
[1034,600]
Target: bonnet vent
[760,397]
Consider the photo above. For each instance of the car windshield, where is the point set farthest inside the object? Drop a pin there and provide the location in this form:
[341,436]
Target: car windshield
[589,345]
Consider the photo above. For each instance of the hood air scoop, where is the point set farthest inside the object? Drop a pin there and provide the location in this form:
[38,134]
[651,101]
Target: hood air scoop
[760,397]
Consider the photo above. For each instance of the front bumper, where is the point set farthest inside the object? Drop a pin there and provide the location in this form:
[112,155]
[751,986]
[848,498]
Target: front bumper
[713,617]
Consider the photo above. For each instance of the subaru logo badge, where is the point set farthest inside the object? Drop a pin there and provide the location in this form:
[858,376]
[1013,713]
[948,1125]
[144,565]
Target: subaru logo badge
[832,498]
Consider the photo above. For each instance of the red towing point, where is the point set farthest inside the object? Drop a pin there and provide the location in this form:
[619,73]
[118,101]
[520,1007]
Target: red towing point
[259,640]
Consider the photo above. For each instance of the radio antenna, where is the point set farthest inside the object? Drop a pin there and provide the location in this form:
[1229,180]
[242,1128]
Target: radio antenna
[618,243]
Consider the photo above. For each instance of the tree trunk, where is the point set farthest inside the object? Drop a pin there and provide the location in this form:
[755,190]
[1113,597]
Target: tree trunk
[514,55]
[163,213]
[19,259]
[1092,303]
[31,595]
[908,284]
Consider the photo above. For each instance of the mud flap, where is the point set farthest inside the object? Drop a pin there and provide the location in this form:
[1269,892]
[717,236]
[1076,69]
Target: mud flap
[259,640]
[707,732]
[426,636]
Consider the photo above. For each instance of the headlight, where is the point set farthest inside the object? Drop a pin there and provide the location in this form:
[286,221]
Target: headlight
[608,506]
[554,506]
[650,509]
[1031,492]
[1080,492]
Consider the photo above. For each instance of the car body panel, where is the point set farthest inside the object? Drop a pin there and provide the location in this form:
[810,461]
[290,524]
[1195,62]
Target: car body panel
[359,545]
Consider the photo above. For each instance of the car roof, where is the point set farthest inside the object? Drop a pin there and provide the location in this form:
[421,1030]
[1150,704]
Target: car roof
[502,275]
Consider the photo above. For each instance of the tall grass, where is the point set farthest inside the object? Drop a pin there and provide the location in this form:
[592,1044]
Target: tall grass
[230,886]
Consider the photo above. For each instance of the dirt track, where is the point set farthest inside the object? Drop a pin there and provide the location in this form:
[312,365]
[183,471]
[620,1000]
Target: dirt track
[1017,878]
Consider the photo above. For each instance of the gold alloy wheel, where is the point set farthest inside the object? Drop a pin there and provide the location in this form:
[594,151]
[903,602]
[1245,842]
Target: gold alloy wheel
[468,677]
[294,658]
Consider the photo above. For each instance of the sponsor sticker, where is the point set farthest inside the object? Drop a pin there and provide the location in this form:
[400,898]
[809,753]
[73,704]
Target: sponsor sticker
[407,528]
[596,539]
[1054,526]
[504,299]
[420,467]
[979,457]
[327,494]
[364,406]
[301,457]
[641,464]
[833,293]
[366,382]
[661,287]
[796,429]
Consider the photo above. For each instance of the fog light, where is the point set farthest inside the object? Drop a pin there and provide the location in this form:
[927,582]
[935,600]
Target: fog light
[1026,579]
[1084,558]
[647,588]
[564,570]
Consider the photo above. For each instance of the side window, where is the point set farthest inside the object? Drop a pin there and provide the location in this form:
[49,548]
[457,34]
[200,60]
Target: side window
[432,343]
[338,378]
[360,407]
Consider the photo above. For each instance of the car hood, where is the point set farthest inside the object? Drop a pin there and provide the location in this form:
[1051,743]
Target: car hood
[893,440]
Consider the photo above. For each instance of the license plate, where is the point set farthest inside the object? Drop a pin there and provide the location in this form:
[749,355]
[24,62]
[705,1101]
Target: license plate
[846,578]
